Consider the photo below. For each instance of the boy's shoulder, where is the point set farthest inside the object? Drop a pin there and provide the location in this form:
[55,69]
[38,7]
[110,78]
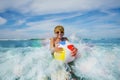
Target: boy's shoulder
[52,38]
[65,38]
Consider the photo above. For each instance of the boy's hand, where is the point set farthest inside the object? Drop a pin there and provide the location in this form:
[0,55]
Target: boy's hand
[57,49]
[74,51]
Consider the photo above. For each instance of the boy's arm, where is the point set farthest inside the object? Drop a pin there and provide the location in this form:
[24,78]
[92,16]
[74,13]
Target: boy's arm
[66,38]
[51,45]
[53,48]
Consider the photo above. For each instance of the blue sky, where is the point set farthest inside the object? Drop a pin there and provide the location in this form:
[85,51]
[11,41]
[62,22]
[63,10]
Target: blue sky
[25,19]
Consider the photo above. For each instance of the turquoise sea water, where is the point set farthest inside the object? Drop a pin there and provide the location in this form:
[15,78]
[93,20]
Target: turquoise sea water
[31,60]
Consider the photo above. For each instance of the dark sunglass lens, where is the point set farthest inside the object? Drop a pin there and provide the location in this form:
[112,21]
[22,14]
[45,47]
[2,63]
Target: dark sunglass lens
[57,32]
[62,32]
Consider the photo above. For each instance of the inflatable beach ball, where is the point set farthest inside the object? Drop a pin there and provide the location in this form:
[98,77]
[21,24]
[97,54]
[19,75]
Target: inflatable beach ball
[65,54]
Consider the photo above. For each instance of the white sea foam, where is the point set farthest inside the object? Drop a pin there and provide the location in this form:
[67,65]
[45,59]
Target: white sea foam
[36,63]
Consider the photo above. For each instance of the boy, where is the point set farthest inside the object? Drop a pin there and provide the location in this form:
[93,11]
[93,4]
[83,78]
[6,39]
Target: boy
[59,36]
[59,32]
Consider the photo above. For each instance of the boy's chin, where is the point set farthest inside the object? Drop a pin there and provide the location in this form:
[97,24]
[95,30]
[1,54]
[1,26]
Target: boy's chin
[60,37]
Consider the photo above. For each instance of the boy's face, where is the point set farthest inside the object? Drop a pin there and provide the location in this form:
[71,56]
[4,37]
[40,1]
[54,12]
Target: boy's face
[59,34]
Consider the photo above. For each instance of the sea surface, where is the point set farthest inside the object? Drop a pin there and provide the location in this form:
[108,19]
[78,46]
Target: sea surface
[97,59]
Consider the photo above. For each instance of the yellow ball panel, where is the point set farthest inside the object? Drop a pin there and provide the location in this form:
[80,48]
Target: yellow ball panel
[60,55]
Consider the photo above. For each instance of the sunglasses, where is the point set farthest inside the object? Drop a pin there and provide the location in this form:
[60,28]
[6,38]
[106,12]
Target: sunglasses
[59,32]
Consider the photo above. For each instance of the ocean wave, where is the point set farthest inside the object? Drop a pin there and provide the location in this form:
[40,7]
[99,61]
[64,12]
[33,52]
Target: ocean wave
[94,62]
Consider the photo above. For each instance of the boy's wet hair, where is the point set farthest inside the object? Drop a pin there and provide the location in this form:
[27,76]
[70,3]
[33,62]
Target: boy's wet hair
[59,28]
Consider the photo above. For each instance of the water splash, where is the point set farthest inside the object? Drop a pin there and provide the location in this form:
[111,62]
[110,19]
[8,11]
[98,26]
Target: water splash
[94,62]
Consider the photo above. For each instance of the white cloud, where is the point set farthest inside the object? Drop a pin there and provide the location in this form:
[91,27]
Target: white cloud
[45,27]
[19,34]
[100,31]
[41,29]
[19,22]
[57,6]
[12,4]
[11,34]
[2,20]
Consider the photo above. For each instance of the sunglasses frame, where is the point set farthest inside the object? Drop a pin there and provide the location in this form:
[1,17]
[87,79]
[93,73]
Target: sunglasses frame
[57,32]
